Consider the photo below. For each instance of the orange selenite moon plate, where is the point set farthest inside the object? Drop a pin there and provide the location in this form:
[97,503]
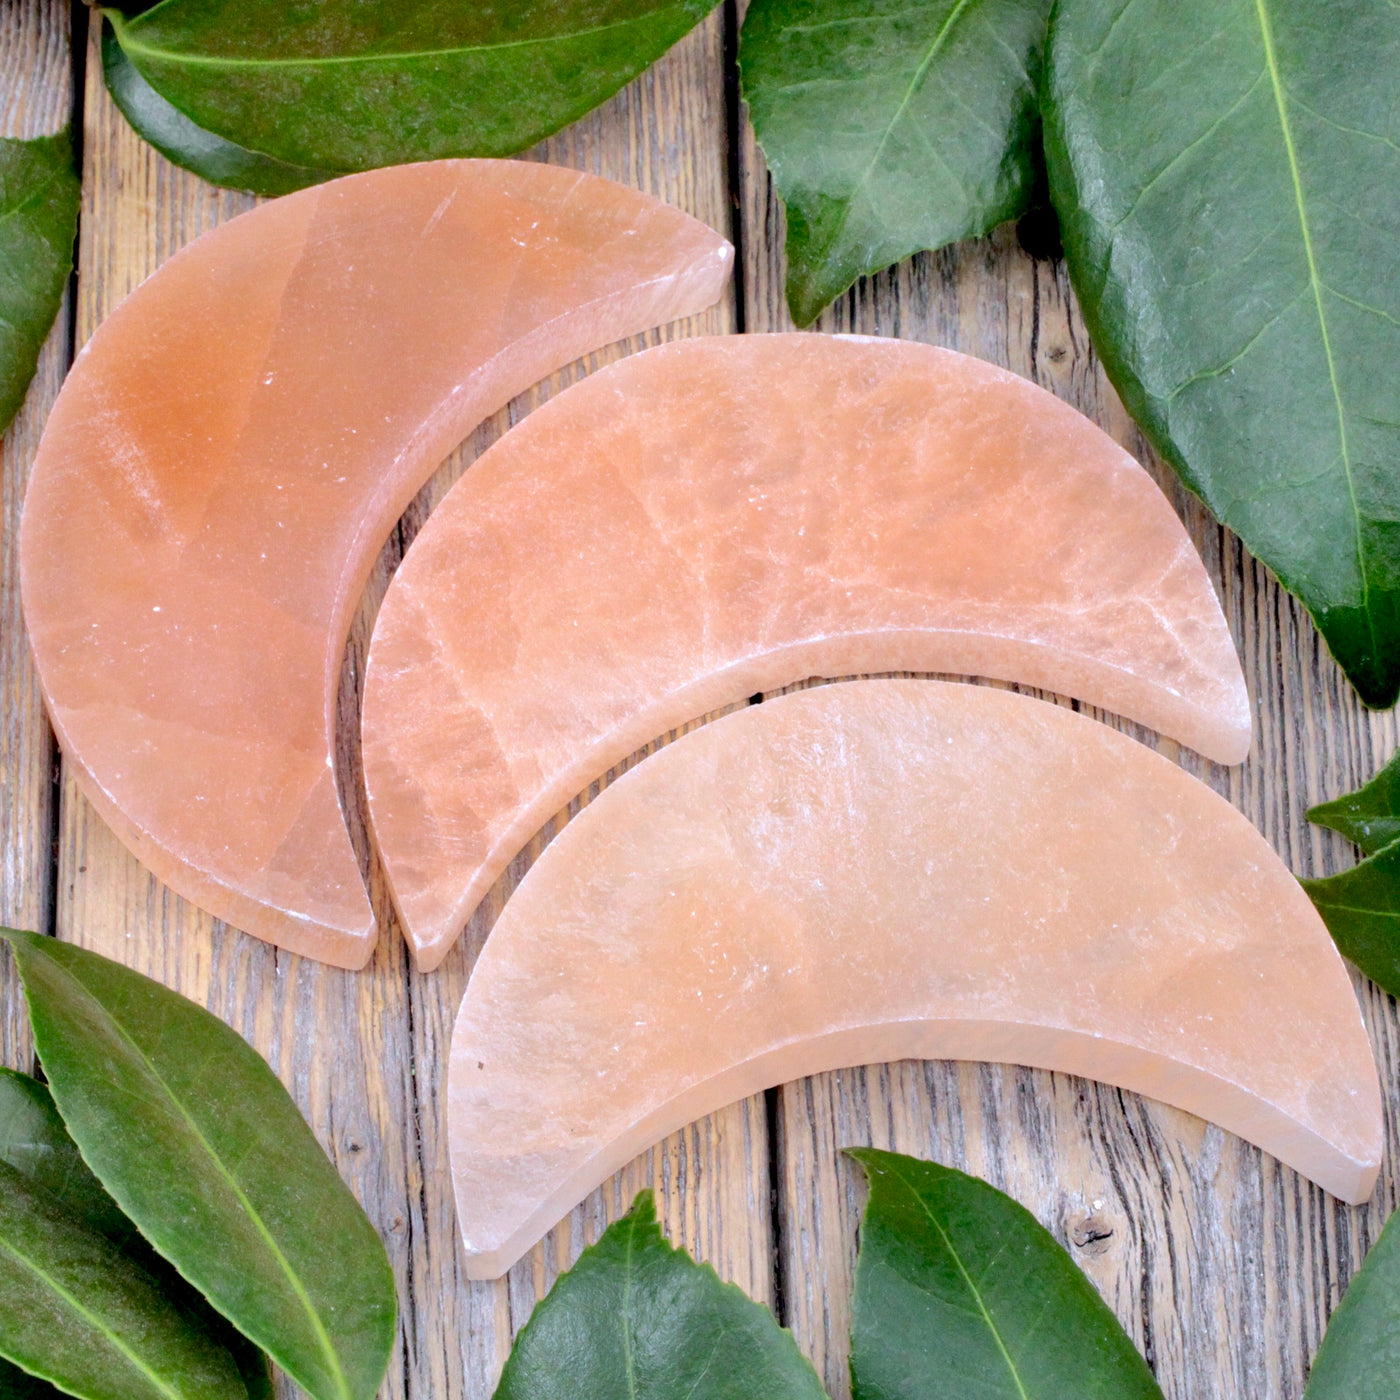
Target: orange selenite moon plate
[883,870]
[728,515]
[228,456]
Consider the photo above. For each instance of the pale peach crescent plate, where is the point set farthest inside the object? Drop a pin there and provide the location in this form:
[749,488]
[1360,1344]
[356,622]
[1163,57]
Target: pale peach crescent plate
[889,869]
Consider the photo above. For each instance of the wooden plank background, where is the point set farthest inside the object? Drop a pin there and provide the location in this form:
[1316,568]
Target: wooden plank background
[1222,1264]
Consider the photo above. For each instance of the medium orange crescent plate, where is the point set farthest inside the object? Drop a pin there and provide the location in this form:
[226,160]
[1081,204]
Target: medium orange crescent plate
[228,456]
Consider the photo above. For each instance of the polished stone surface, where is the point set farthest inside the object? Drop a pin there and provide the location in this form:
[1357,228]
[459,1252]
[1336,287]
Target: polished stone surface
[724,516]
[228,456]
[878,870]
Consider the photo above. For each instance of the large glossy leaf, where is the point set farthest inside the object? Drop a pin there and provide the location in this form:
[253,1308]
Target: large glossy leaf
[1370,816]
[74,1310]
[890,126]
[1227,174]
[335,86]
[38,218]
[205,1151]
[35,1142]
[1359,1358]
[960,1294]
[636,1318]
[177,138]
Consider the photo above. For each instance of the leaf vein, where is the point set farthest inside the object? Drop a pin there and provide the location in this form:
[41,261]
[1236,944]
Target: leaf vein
[34,198]
[1342,126]
[1186,151]
[1239,354]
[1361,305]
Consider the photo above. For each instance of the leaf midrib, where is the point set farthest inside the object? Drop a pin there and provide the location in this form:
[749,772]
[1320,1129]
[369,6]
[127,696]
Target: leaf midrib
[93,1321]
[134,45]
[972,1288]
[1315,280]
[293,1278]
[915,83]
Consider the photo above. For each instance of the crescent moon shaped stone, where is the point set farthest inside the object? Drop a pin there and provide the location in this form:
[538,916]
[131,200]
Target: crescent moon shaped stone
[728,515]
[883,870]
[229,454]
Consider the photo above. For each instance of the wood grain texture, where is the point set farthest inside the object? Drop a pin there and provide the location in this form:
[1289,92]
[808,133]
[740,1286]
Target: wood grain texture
[35,99]
[365,1054]
[1222,1265]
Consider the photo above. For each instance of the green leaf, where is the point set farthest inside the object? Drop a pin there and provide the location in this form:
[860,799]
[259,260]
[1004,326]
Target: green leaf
[38,220]
[1370,816]
[328,85]
[205,1151]
[890,126]
[1361,908]
[1359,1358]
[177,138]
[960,1294]
[1227,175]
[35,1142]
[636,1318]
[75,1311]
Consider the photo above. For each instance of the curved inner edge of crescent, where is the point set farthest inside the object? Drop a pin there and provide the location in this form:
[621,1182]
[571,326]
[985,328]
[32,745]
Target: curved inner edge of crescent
[1347,1171]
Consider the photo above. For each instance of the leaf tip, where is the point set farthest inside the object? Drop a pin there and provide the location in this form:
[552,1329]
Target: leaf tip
[805,302]
[642,1211]
[876,1161]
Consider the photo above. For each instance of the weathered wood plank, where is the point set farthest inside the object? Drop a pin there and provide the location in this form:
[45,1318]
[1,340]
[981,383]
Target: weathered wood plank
[1222,1265]
[35,98]
[365,1054]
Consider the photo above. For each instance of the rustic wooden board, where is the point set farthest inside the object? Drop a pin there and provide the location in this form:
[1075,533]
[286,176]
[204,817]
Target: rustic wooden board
[35,97]
[1222,1264]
